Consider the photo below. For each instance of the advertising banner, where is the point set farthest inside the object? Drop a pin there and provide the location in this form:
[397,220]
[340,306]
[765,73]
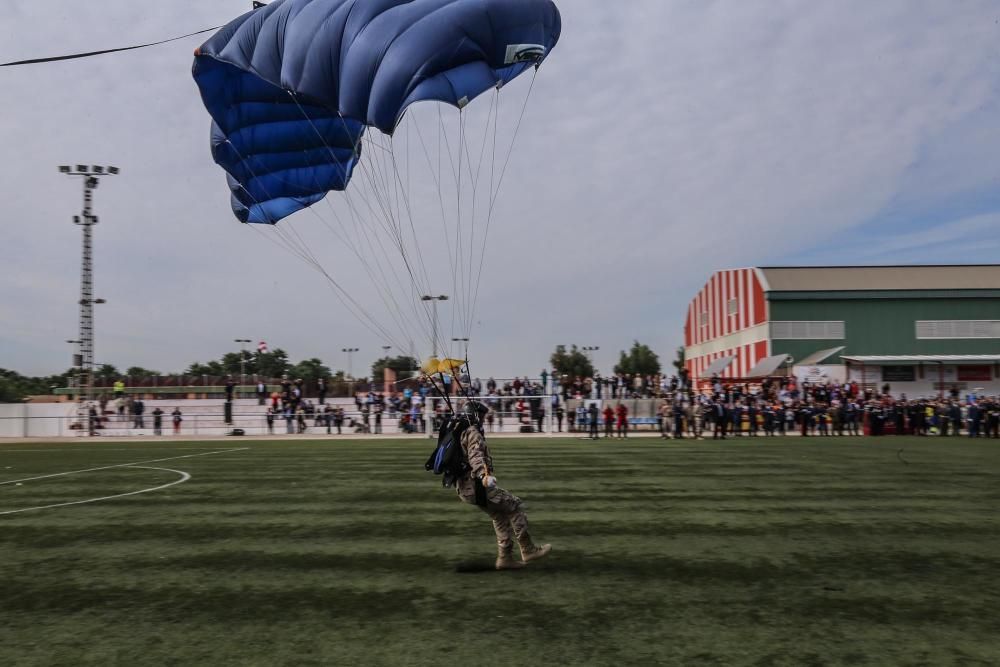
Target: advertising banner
[975,373]
[820,374]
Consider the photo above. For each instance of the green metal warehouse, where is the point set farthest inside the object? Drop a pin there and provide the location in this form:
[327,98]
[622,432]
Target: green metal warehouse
[921,329]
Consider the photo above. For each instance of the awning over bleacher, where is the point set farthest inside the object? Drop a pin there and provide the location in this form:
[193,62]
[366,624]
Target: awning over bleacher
[767,366]
[925,359]
[717,366]
[819,357]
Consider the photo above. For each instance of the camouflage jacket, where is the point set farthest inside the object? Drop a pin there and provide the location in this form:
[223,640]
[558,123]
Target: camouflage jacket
[477,452]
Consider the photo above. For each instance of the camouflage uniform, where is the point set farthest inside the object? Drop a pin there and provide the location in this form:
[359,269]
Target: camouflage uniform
[509,520]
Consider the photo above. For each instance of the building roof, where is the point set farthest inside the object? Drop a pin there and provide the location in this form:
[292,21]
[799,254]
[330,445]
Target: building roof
[925,358]
[819,357]
[717,366]
[847,278]
[767,366]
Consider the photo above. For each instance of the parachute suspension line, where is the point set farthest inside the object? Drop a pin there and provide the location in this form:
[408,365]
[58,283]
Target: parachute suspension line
[437,182]
[397,315]
[303,252]
[393,229]
[443,134]
[494,195]
[374,175]
[470,315]
[458,221]
[384,290]
[408,206]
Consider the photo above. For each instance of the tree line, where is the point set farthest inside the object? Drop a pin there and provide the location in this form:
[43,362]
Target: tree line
[273,364]
[572,362]
[638,360]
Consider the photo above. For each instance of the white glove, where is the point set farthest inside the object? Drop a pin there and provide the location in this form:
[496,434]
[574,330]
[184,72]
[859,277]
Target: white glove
[490,482]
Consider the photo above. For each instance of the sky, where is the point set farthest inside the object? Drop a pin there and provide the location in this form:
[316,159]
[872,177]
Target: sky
[661,141]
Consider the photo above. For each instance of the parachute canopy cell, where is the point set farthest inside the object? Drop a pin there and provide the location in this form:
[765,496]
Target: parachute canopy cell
[292,86]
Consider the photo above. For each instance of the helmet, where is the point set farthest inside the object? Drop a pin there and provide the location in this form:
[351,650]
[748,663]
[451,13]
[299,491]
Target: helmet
[475,410]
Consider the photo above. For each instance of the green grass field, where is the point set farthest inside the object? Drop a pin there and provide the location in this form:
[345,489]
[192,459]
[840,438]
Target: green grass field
[796,552]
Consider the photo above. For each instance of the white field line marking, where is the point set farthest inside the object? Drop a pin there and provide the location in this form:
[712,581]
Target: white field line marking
[184,477]
[122,465]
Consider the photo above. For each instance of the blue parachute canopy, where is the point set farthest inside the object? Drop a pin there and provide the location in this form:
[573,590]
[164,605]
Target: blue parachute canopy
[291,87]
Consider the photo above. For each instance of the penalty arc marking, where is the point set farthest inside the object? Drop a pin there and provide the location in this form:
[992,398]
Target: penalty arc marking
[122,465]
[183,478]
[137,464]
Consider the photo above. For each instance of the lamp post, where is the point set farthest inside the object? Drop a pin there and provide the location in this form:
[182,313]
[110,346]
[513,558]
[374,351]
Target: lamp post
[91,175]
[77,361]
[434,299]
[463,340]
[350,374]
[243,361]
[589,350]
[350,358]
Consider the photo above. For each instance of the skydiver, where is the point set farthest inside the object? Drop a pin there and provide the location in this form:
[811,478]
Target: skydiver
[509,520]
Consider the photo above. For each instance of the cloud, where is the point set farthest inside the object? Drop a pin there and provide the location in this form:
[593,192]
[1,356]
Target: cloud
[662,141]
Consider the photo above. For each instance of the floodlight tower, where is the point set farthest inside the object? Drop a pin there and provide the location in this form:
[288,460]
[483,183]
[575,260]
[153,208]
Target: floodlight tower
[435,300]
[91,177]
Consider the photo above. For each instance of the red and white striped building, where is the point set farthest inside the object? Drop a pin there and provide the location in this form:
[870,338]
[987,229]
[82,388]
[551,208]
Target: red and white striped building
[727,318]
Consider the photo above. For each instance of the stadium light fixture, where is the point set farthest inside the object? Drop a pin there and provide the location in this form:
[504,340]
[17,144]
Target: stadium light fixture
[82,168]
[435,299]
[63,169]
[97,169]
[113,171]
[463,340]
[350,357]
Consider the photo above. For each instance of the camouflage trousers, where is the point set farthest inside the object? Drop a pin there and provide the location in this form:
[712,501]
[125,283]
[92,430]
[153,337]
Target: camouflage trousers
[509,520]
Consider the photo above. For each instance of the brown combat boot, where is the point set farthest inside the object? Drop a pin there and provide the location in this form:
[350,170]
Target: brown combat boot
[535,553]
[506,560]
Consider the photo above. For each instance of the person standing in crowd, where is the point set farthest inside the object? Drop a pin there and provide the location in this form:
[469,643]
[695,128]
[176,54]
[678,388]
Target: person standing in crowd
[119,388]
[93,419]
[992,410]
[609,420]
[338,419]
[177,418]
[678,420]
[720,419]
[621,412]
[261,392]
[230,387]
[768,414]
[805,419]
[663,413]
[975,418]
[876,418]
[138,408]
[269,418]
[851,417]
[377,409]
[736,418]
[593,415]
[955,417]
[157,421]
